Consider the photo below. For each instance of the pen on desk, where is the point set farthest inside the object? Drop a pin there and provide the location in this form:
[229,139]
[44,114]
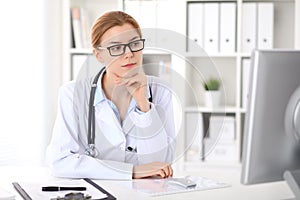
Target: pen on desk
[57,188]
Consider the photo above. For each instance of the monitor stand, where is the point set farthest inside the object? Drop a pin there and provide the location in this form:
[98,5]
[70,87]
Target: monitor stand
[293,180]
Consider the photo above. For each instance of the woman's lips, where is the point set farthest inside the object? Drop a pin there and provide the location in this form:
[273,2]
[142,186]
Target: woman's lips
[129,65]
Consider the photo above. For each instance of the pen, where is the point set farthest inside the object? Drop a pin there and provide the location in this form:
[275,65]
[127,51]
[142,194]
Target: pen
[57,188]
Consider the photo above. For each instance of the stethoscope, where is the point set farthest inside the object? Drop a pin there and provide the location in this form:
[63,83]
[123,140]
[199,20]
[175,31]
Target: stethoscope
[91,149]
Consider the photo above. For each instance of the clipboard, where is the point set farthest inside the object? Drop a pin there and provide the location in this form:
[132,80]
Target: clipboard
[109,196]
[26,194]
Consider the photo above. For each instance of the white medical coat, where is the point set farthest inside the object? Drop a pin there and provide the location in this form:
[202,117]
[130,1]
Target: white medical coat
[152,134]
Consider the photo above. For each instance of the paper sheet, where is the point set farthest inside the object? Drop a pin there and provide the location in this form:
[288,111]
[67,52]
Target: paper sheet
[5,195]
[34,190]
[156,187]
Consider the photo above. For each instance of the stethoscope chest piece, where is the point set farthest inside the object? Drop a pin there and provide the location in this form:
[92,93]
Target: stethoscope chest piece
[91,151]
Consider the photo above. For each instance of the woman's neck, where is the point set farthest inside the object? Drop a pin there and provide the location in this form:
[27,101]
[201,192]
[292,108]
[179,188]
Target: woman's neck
[119,95]
[113,91]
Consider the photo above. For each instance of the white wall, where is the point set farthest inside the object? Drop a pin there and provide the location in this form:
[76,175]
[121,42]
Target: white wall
[52,63]
[30,59]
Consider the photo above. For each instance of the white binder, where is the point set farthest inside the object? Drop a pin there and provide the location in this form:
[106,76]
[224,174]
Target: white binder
[249,19]
[246,67]
[227,27]
[195,26]
[265,25]
[211,27]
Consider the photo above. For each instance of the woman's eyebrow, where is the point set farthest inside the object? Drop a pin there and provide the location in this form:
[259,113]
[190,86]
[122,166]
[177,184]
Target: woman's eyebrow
[134,38]
[117,42]
[114,42]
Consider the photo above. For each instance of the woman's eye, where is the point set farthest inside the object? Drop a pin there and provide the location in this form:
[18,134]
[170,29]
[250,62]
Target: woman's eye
[134,44]
[116,48]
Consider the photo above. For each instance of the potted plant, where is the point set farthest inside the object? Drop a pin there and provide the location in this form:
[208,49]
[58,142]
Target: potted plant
[212,92]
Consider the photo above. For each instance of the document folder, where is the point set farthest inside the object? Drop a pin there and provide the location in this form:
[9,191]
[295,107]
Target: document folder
[265,25]
[211,27]
[195,26]
[227,27]
[249,27]
[29,191]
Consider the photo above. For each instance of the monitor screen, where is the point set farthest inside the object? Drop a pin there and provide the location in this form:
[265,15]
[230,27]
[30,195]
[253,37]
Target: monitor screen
[270,146]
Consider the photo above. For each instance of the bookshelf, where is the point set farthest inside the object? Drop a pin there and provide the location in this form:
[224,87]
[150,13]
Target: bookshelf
[230,68]
[228,65]
[92,9]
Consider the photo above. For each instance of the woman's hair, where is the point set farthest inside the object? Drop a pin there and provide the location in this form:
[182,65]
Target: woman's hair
[109,20]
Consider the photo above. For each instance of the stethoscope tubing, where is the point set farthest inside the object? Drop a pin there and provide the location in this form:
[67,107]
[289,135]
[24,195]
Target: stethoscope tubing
[91,117]
[91,150]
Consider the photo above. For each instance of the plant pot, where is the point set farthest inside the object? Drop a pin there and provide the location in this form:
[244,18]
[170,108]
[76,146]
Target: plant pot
[212,98]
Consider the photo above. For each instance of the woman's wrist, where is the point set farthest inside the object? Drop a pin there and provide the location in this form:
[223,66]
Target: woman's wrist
[144,106]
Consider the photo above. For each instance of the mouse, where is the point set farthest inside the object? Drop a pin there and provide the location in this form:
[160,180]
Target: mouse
[183,182]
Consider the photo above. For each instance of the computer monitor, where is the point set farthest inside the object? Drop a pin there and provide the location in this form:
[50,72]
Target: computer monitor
[272,119]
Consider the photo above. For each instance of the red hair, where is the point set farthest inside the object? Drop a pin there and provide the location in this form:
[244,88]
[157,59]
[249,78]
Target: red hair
[109,20]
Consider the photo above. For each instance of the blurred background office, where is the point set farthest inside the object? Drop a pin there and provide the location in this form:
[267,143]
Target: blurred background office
[40,51]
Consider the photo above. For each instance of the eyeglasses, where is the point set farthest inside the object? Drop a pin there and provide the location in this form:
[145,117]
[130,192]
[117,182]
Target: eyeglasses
[119,49]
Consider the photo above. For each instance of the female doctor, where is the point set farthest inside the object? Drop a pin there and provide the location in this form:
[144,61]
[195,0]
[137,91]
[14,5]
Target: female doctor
[124,128]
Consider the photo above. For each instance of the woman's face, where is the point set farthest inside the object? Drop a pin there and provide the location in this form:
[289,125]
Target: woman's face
[124,65]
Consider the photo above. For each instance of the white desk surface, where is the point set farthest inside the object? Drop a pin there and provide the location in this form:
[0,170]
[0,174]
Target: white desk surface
[271,191]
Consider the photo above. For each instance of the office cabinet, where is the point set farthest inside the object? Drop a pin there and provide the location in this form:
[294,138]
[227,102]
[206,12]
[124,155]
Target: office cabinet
[257,24]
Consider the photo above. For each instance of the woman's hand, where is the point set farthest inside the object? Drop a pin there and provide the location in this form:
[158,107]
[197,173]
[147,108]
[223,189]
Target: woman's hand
[164,170]
[136,85]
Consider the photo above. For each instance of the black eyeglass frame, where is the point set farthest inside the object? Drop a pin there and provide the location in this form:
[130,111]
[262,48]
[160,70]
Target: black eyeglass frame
[124,47]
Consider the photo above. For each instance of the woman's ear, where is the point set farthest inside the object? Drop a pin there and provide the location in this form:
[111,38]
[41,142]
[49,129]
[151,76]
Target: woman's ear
[98,56]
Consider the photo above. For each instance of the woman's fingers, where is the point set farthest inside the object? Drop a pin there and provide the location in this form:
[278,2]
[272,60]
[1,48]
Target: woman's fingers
[162,173]
[166,171]
[163,170]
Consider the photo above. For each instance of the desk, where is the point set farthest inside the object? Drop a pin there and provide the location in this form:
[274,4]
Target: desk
[269,191]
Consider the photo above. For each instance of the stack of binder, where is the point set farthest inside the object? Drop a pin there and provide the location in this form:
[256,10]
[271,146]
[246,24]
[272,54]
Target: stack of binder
[212,26]
[257,26]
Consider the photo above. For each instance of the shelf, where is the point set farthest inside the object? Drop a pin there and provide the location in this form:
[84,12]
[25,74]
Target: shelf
[154,52]
[245,55]
[216,55]
[226,109]
[243,110]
